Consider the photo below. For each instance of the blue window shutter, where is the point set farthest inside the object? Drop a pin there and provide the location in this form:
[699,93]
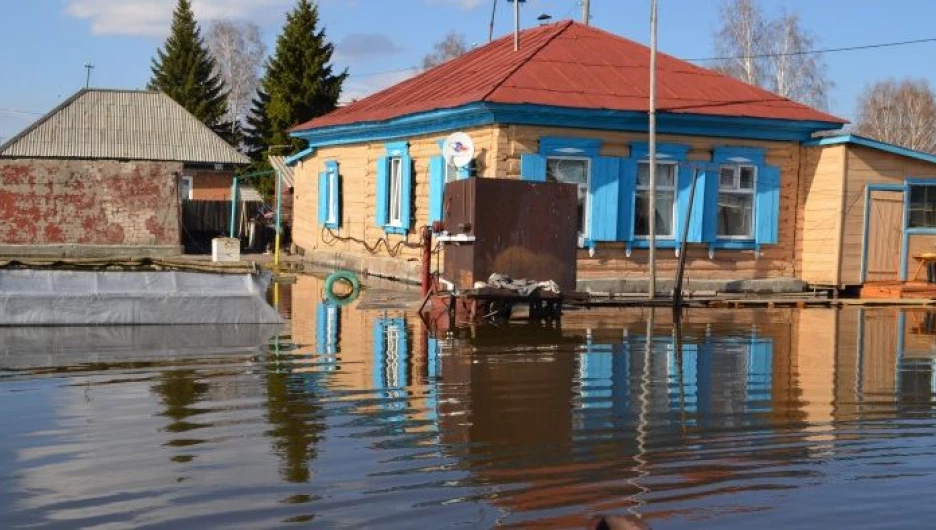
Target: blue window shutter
[321,325]
[683,187]
[767,205]
[626,196]
[382,185]
[709,195]
[436,187]
[604,200]
[323,197]
[760,374]
[699,209]
[379,349]
[533,167]
[406,202]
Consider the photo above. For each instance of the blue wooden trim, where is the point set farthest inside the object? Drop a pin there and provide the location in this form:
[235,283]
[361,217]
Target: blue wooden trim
[562,146]
[887,187]
[919,182]
[482,113]
[397,148]
[331,165]
[864,235]
[905,243]
[294,159]
[854,139]
[751,155]
[664,151]
[660,243]
[734,244]
[920,231]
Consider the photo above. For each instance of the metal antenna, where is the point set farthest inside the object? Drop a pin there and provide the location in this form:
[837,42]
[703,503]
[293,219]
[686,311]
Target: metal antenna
[491,27]
[652,148]
[88,67]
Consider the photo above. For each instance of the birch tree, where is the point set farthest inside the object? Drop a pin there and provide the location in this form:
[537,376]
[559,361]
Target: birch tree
[238,50]
[899,112]
[452,46]
[772,53]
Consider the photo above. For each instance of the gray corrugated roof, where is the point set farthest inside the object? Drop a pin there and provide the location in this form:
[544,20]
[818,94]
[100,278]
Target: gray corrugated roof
[121,124]
[279,164]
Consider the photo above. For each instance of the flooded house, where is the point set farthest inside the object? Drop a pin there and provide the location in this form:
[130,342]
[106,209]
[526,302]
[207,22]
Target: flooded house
[105,172]
[571,105]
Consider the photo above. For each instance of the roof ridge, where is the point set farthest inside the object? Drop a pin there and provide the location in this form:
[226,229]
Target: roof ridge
[561,28]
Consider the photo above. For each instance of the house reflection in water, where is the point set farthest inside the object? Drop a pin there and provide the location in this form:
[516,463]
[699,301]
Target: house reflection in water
[593,414]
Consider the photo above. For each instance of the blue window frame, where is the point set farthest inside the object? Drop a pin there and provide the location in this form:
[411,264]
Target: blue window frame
[674,179]
[393,210]
[329,196]
[741,200]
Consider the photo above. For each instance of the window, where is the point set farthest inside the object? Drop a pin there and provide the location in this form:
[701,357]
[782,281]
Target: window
[185,188]
[395,192]
[736,201]
[922,207]
[665,200]
[392,367]
[572,170]
[332,216]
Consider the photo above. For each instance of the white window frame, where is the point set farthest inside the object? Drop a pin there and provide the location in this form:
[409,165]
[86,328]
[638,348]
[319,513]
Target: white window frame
[395,192]
[586,215]
[736,189]
[638,188]
[191,187]
[331,216]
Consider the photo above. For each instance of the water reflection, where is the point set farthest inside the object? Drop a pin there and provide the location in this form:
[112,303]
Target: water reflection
[362,418]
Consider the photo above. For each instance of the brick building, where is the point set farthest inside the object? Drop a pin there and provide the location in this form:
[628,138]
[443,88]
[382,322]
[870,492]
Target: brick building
[104,174]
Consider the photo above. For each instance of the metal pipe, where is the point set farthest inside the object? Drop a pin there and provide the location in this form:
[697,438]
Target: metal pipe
[426,260]
[516,24]
[681,266]
[586,12]
[279,208]
[652,131]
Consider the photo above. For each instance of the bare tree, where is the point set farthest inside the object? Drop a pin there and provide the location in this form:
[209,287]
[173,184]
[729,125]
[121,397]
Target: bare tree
[771,53]
[452,46]
[239,51]
[899,112]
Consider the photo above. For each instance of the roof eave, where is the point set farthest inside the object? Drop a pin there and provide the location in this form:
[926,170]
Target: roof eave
[482,113]
[854,139]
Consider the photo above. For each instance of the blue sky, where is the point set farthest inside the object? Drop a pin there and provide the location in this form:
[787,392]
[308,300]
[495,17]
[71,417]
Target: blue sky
[45,43]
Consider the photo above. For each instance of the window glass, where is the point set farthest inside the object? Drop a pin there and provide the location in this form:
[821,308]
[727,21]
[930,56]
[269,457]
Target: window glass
[332,216]
[395,191]
[736,202]
[665,200]
[922,207]
[572,171]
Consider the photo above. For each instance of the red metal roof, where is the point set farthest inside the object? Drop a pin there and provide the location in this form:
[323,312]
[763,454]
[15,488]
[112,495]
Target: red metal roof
[568,64]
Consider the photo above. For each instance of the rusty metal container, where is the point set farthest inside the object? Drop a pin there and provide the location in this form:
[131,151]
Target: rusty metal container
[525,230]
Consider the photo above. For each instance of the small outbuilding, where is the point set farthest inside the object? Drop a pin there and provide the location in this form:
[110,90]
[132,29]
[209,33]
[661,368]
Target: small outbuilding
[103,174]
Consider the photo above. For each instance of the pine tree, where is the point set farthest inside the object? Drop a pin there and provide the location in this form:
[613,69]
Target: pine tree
[298,85]
[184,70]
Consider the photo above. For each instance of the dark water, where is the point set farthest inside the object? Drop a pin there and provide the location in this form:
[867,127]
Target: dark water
[358,419]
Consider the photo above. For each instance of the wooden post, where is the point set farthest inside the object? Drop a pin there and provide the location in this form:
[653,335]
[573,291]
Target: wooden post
[652,148]
[681,267]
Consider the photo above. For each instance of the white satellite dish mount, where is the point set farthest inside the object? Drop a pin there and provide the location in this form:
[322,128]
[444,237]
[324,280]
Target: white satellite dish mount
[458,150]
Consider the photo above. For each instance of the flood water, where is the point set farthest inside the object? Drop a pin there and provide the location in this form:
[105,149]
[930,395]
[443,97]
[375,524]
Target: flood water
[356,418]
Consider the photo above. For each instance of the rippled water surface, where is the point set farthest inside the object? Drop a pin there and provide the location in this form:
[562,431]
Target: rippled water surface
[358,417]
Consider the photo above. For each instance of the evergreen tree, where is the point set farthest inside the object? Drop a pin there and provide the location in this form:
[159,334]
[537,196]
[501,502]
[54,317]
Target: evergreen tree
[184,70]
[298,85]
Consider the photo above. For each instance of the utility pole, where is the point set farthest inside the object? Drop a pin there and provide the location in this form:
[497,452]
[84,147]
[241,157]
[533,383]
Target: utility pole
[491,27]
[516,4]
[651,293]
[88,67]
[586,12]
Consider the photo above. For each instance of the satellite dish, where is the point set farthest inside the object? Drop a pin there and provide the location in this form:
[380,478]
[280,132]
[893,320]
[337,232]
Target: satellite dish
[458,150]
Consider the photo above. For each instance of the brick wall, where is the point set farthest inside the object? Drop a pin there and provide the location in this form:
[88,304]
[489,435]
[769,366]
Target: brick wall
[210,185]
[90,202]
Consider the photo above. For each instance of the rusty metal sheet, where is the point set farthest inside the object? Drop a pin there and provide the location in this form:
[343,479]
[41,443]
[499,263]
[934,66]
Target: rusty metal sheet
[522,229]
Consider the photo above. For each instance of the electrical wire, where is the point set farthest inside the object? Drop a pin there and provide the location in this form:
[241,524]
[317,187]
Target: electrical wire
[393,251]
[818,51]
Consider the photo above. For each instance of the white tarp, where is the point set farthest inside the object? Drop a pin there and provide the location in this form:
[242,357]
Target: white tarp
[48,346]
[43,297]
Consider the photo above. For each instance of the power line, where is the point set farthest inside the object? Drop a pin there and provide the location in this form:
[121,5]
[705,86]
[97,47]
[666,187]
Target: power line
[20,111]
[822,50]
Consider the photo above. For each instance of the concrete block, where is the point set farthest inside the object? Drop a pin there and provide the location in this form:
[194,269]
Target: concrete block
[225,249]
